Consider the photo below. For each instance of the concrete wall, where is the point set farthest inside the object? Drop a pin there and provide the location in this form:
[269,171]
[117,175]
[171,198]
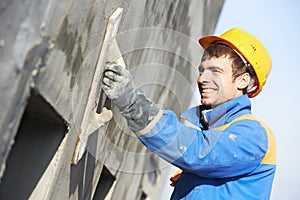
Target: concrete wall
[49,52]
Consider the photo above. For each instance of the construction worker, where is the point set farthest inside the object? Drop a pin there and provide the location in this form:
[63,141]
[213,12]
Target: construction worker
[223,151]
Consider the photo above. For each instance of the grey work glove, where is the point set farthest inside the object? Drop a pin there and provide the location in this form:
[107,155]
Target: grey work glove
[119,87]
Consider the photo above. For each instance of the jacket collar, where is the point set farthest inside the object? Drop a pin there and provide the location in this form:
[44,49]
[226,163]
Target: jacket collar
[220,115]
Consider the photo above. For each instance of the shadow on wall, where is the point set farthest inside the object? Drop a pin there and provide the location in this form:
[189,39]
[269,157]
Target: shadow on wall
[79,178]
[83,172]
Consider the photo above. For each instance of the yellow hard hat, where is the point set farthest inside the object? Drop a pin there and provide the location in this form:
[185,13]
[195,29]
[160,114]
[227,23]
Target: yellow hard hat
[251,49]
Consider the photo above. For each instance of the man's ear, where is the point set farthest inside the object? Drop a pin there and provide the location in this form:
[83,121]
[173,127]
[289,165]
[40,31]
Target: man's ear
[243,81]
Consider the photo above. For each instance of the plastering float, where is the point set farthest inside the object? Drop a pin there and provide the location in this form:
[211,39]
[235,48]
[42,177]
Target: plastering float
[95,114]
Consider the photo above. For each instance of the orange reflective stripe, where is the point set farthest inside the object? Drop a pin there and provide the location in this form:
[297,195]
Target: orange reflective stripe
[270,157]
[223,127]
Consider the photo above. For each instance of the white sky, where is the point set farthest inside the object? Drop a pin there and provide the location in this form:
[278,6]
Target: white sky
[276,23]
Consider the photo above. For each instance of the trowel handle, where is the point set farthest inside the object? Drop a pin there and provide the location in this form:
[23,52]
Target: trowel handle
[101,101]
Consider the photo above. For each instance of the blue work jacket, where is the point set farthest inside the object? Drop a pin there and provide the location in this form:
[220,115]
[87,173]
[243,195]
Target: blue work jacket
[225,153]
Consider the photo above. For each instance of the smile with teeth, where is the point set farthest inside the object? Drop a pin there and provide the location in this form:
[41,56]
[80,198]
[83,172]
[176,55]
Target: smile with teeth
[207,90]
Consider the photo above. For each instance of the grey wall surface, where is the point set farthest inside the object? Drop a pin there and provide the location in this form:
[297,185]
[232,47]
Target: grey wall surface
[48,53]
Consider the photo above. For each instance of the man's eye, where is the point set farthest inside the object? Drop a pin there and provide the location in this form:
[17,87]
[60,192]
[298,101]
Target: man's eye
[216,71]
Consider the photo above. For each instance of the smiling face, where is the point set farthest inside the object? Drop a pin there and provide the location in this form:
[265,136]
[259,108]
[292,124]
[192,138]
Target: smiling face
[216,82]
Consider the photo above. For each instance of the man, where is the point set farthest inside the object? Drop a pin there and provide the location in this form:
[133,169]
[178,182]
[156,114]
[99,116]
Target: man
[223,151]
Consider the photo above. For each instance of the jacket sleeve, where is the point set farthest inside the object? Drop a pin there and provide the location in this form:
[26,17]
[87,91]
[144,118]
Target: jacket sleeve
[237,150]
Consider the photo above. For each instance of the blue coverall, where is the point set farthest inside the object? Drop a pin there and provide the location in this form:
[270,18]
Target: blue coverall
[225,153]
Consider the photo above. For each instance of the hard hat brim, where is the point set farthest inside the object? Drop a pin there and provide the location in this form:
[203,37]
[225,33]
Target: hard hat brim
[207,40]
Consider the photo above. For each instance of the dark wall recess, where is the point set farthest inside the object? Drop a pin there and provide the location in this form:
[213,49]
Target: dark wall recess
[39,135]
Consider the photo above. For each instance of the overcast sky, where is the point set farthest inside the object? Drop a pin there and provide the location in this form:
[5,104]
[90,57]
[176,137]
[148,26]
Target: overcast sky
[276,24]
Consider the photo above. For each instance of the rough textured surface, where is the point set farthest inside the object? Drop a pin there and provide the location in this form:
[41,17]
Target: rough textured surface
[51,48]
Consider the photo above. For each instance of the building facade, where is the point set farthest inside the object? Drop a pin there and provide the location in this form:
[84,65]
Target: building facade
[49,53]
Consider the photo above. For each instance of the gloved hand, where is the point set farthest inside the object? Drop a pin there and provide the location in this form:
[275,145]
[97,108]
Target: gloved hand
[119,87]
